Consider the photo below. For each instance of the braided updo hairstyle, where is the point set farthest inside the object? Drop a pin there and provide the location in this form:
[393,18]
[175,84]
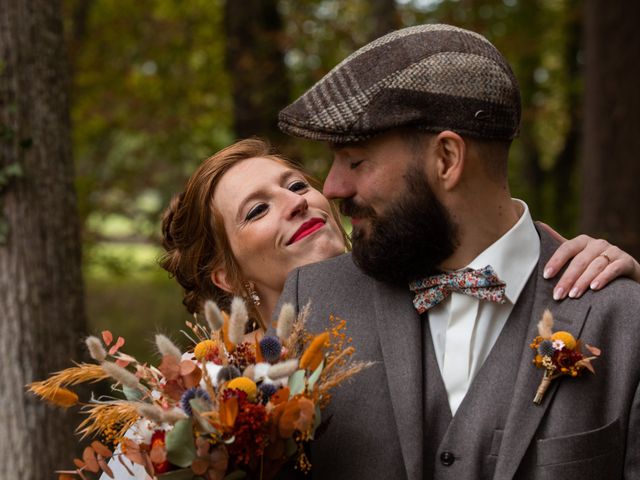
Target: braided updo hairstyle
[193,231]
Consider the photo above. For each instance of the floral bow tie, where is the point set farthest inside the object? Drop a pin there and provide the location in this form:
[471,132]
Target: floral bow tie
[483,284]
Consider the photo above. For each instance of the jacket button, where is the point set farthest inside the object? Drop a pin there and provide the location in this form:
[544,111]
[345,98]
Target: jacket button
[447,458]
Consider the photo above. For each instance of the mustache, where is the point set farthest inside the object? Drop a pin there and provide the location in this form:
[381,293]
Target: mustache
[350,208]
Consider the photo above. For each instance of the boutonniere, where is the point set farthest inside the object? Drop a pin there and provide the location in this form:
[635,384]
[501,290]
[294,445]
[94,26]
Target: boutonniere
[558,354]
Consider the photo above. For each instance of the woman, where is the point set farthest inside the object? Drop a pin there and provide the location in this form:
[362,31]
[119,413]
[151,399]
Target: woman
[247,218]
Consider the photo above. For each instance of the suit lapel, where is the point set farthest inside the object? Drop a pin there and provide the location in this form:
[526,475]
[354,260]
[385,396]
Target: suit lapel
[400,339]
[524,416]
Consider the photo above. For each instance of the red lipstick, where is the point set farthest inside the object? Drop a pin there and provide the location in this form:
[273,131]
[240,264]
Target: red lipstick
[307,228]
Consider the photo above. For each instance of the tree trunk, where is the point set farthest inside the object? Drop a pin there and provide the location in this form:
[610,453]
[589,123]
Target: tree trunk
[564,173]
[610,173]
[41,307]
[255,61]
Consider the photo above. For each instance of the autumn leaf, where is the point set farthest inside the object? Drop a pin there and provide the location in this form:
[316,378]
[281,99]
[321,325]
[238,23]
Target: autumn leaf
[282,395]
[229,411]
[100,449]
[200,466]
[119,343]
[107,337]
[594,350]
[90,460]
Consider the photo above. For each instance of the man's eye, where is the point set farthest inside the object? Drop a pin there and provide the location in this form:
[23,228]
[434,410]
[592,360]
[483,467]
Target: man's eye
[256,211]
[354,165]
[298,185]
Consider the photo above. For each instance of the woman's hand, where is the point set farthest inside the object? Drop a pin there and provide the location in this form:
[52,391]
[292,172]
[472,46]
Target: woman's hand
[594,263]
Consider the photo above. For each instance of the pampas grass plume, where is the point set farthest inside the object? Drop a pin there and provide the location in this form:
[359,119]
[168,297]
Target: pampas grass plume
[166,347]
[96,350]
[545,325]
[122,375]
[213,316]
[237,320]
[285,321]
[151,412]
[173,415]
[282,369]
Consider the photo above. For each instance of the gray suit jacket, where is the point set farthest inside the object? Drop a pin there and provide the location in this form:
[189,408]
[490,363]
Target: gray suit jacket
[588,427]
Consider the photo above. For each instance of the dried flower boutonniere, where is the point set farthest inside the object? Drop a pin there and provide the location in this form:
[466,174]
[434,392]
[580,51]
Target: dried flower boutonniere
[558,353]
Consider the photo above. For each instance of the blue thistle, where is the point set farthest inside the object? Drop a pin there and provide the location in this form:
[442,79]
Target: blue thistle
[190,394]
[271,348]
[267,389]
[227,373]
[546,348]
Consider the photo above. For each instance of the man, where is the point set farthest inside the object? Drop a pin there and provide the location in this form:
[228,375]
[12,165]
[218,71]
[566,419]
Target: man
[420,122]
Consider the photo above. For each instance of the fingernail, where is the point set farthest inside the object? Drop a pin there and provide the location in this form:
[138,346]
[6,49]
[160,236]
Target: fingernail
[547,273]
[574,292]
[594,285]
[558,293]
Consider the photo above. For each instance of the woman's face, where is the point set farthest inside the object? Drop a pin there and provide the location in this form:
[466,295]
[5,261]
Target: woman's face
[275,221]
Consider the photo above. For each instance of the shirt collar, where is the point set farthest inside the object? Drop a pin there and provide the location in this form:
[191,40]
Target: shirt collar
[514,255]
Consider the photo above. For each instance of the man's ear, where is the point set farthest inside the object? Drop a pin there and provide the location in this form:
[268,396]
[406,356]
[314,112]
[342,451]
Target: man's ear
[220,279]
[451,154]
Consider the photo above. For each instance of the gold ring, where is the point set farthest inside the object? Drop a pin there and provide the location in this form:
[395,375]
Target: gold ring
[603,254]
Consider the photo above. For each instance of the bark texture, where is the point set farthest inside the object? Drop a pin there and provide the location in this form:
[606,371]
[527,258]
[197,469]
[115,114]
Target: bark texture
[255,62]
[611,169]
[41,306]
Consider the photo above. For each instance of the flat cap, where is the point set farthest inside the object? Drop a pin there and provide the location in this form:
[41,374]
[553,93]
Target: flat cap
[433,77]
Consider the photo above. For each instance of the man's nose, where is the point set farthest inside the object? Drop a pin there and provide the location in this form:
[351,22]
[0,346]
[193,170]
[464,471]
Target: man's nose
[338,183]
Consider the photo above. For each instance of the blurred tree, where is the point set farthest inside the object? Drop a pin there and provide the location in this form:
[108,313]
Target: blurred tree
[610,193]
[254,58]
[151,99]
[40,279]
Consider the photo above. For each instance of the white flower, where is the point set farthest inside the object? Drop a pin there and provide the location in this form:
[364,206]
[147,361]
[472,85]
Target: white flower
[558,344]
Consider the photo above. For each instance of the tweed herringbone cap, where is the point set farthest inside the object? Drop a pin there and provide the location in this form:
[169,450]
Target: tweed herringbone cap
[434,77]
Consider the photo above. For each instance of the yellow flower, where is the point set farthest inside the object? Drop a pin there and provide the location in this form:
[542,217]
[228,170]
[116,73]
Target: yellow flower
[566,338]
[246,385]
[203,349]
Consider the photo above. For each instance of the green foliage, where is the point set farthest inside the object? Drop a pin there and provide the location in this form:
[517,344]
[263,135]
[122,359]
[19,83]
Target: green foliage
[152,97]
[181,450]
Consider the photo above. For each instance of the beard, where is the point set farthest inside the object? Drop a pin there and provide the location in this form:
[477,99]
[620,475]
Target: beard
[409,240]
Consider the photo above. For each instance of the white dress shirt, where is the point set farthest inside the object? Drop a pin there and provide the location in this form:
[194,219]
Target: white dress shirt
[463,328]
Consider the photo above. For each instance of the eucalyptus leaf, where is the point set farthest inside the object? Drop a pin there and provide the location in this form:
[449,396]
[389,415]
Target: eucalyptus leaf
[296,383]
[315,375]
[132,394]
[181,449]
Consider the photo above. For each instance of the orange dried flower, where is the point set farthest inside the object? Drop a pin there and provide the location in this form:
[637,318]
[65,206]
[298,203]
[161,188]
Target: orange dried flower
[314,354]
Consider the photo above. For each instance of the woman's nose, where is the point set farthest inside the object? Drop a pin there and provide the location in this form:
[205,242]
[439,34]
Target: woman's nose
[296,204]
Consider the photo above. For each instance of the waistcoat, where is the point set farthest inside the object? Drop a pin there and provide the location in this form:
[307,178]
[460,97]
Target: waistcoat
[467,445]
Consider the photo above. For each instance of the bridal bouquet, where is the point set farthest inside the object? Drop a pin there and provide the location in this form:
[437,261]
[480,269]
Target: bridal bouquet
[228,408]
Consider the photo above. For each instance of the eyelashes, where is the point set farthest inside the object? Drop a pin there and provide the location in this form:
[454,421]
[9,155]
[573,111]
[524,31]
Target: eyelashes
[256,211]
[297,186]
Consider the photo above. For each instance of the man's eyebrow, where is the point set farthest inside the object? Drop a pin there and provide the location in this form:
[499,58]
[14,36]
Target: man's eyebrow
[284,177]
